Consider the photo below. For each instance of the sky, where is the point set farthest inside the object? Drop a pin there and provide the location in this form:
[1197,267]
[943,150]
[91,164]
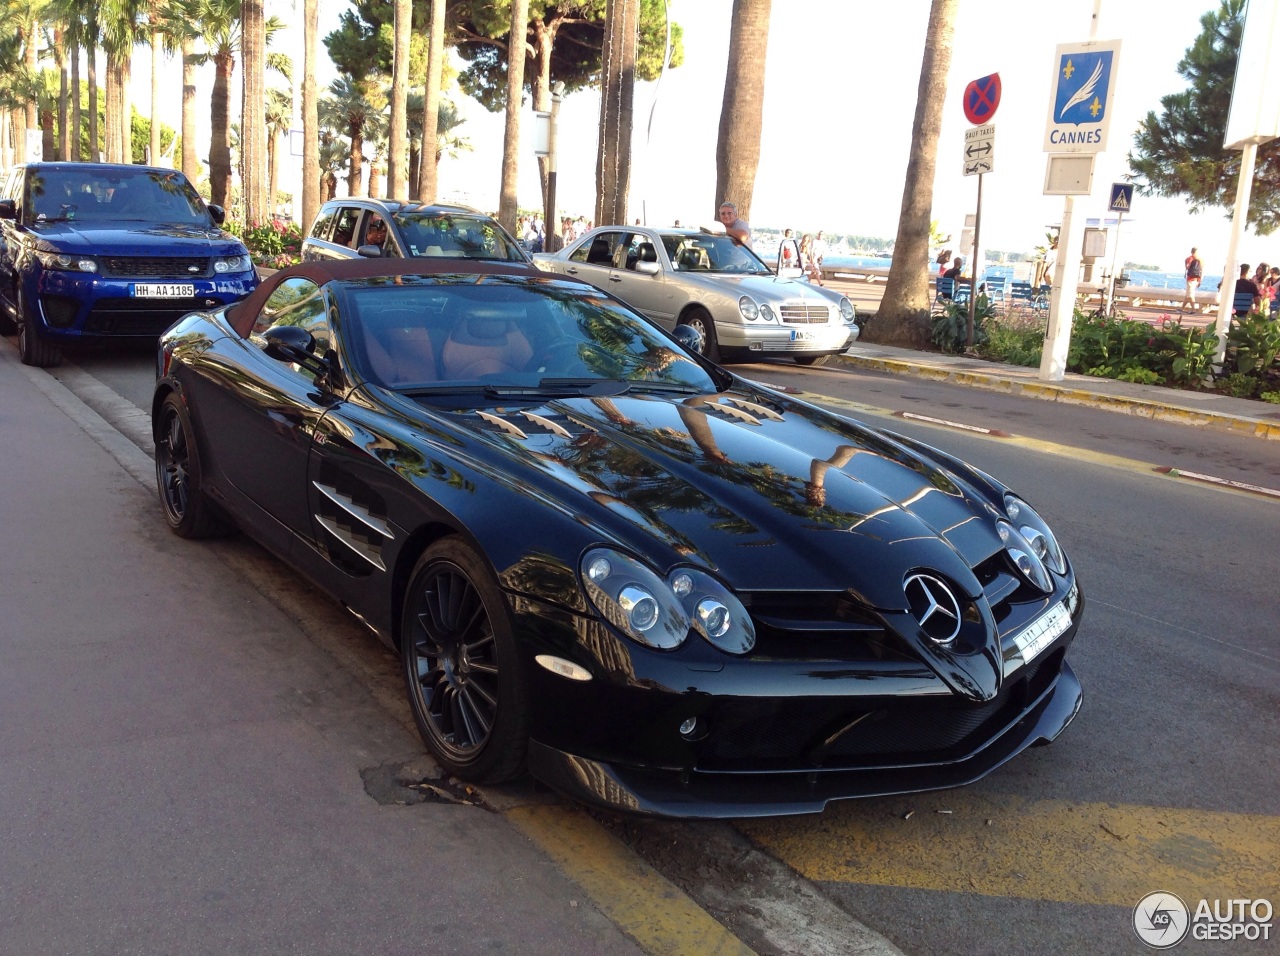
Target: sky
[841,82]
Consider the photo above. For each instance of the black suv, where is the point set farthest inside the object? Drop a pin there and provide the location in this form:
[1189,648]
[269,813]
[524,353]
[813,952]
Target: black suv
[96,252]
[346,228]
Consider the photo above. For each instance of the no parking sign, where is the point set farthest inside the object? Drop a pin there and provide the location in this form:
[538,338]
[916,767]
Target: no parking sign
[981,97]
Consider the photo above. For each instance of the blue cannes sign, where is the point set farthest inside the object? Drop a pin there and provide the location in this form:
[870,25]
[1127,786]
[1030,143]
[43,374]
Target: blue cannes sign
[1080,99]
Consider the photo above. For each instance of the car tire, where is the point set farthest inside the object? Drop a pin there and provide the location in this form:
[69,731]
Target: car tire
[700,319]
[32,347]
[179,477]
[812,359]
[468,694]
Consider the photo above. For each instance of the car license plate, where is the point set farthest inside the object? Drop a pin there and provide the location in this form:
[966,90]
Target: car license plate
[1041,633]
[802,335]
[163,290]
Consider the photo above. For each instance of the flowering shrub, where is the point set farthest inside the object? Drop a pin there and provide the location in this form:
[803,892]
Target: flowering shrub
[273,244]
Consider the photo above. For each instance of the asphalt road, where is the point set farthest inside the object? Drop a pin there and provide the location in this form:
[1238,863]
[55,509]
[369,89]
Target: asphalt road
[1168,780]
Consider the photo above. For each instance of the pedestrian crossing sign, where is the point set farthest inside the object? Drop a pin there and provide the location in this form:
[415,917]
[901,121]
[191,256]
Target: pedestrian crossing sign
[1121,197]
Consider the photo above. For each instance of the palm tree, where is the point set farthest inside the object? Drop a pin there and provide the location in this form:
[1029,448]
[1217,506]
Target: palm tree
[738,143]
[333,154]
[159,42]
[375,135]
[903,316]
[617,95]
[310,114]
[253,150]
[220,21]
[403,27]
[348,108]
[278,115]
[447,120]
[121,28]
[428,183]
[507,208]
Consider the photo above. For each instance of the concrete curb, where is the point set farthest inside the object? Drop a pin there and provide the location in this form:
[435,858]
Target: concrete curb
[1070,394]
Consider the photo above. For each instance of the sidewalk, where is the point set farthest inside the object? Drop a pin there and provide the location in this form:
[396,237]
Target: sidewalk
[1202,409]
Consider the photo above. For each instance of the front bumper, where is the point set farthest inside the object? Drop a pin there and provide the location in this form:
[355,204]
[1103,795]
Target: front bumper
[74,307]
[769,338]
[716,794]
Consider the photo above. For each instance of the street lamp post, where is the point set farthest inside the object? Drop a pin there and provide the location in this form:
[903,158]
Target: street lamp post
[550,219]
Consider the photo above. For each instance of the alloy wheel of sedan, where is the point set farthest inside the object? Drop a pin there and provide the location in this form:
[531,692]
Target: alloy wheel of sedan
[701,320]
[460,667]
[178,476]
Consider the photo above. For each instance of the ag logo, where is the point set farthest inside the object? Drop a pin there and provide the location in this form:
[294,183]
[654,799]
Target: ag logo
[1161,920]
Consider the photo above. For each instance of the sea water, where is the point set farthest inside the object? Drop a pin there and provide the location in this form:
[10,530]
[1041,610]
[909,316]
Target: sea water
[1159,280]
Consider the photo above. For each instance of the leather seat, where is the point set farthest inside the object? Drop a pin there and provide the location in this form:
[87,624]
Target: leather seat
[399,349]
[486,340]
[600,254]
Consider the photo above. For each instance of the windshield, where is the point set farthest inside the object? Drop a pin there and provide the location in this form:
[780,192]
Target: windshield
[457,235]
[94,194]
[706,253]
[499,334]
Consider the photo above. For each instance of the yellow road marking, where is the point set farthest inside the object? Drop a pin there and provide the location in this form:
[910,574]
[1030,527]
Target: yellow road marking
[1099,853]
[635,897]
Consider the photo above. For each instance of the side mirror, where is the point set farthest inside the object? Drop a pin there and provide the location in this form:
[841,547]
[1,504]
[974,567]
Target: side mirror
[369,251]
[8,209]
[690,338]
[293,344]
[648,268]
[218,214]
[790,272]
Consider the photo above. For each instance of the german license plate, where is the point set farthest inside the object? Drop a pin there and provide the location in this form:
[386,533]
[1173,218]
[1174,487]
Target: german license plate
[1042,632]
[163,290]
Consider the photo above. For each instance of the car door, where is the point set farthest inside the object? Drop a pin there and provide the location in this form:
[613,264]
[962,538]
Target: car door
[260,413]
[10,241]
[342,236]
[594,260]
[647,292]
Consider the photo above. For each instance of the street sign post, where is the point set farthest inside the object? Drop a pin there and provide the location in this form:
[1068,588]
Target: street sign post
[1080,99]
[981,97]
[980,150]
[1121,197]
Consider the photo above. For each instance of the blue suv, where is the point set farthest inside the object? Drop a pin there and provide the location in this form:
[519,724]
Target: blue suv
[97,252]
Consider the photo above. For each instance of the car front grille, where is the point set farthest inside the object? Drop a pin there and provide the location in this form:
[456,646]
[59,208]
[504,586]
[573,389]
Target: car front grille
[141,317]
[813,734]
[805,314]
[196,267]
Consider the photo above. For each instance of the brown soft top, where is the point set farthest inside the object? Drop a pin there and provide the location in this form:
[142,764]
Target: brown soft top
[242,313]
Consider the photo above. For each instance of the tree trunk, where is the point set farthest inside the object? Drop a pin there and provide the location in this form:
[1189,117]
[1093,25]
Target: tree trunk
[64,85]
[75,154]
[273,172]
[617,97]
[738,143]
[253,134]
[114,104]
[190,164]
[157,61]
[375,178]
[95,148]
[329,187]
[310,114]
[32,119]
[220,129]
[429,168]
[508,209]
[415,167]
[355,169]
[544,39]
[397,134]
[903,316]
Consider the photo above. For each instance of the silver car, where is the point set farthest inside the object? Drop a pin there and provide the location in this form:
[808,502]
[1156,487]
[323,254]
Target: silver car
[692,277]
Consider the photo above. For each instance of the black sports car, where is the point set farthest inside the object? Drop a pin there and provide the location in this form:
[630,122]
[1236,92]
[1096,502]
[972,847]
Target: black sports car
[658,586]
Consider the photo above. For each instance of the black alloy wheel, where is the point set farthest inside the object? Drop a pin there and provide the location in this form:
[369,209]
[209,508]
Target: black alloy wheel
[178,476]
[32,347]
[464,682]
[700,319]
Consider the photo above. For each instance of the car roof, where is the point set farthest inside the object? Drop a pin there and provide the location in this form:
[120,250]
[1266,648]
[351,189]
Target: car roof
[404,205]
[98,167]
[242,313]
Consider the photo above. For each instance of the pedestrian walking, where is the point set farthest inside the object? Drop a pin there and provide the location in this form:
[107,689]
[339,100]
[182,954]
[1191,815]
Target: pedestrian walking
[1194,269]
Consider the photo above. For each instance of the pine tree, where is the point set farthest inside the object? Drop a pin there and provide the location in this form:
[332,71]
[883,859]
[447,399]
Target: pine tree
[1180,152]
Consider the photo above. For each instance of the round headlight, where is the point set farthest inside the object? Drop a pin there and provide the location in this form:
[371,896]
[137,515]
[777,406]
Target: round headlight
[713,617]
[1024,557]
[1036,532]
[747,306]
[766,313]
[847,312]
[634,599]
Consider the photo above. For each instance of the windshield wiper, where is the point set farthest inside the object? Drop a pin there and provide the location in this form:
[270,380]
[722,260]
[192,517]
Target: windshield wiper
[547,388]
[679,388]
